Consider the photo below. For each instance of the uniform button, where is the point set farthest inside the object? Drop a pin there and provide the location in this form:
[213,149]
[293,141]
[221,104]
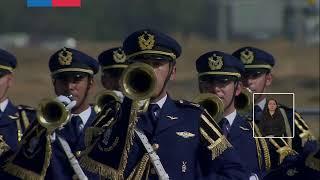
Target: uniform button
[155,146]
[152,171]
[78,153]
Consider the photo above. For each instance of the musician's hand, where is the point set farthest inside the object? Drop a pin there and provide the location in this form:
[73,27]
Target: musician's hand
[119,94]
[66,101]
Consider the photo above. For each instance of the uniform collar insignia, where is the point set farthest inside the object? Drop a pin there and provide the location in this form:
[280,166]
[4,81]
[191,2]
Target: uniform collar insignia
[65,57]
[195,104]
[172,118]
[185,134]
[13,117]
[215,62]
[243,128]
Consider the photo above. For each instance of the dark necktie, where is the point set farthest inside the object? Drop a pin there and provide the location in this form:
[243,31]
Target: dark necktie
[152,110]
[257,113]
[76,123]
[257,109]
[225,126]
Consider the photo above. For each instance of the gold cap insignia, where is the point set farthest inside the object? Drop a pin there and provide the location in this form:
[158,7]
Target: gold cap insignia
[215,62]
[146,41]
[185,134]
[247,56]
[119,56]
[65,57]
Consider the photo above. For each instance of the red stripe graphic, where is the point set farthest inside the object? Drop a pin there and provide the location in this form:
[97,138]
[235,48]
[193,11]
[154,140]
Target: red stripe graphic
[66,3]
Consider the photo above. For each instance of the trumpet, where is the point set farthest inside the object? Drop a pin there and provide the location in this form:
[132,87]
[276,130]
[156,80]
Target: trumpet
[212,103]
[138,83]
[243,102]
[52,114]
[104,98]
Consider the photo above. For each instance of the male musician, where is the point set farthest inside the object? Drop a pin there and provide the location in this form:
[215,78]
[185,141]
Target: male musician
[112,62]
[188,142]
[14,120]
[219,73]
[258,77]
[72,74]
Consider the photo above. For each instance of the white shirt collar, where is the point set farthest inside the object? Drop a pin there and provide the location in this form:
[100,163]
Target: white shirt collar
[262,103]
[231,117]
[161,101]
[84,115]
[4,104]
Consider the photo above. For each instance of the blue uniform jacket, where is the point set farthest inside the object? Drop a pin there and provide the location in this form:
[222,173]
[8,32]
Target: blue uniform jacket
[182,151]
[241,138]
[8,124]
[60,167]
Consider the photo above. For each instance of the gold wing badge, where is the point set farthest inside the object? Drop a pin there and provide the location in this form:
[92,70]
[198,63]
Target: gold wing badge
[172,117]
[215,62]
[185,134]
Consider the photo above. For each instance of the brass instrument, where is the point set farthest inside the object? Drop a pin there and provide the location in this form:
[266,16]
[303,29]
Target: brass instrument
[212,103]
[104,98]
[35,145]
[52,114]
[138,83]
[243,102]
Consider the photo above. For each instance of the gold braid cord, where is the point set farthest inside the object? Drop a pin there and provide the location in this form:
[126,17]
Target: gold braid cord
[140,169]
[4,147]
[266,152]
[305,134]
[210,132]
[26,174]
[103,169]
[283,151]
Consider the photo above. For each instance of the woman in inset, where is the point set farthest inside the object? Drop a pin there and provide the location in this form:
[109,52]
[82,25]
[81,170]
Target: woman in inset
[272,124]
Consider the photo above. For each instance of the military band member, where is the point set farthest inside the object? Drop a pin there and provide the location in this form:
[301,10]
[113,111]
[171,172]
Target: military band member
[219,73]
[112,62]
[72,75]
[14,120]
[188,142]
[258,78]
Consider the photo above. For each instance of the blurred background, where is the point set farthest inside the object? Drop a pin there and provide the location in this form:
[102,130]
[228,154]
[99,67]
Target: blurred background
[289,29]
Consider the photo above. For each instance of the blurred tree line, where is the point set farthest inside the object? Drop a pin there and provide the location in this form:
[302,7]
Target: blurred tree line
[109,19]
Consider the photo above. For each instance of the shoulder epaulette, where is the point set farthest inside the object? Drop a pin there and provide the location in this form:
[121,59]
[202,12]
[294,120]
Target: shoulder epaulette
[212,136]
[26,116]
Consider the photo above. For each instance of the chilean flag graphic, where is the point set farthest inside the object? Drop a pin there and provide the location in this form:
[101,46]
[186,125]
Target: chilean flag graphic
[54,3]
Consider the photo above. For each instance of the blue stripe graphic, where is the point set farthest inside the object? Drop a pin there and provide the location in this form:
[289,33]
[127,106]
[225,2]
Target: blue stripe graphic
[39,3]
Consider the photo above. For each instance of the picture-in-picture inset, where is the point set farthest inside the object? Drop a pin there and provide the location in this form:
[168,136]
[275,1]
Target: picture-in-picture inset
[274,115]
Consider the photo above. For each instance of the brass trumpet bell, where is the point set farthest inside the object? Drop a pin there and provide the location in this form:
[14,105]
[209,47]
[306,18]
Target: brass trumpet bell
[138,81]
[104,98]
[52,114]
[212,103]
[243,102]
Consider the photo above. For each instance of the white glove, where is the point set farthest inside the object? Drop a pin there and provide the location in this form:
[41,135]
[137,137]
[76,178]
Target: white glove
[119,94]
[66,101]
